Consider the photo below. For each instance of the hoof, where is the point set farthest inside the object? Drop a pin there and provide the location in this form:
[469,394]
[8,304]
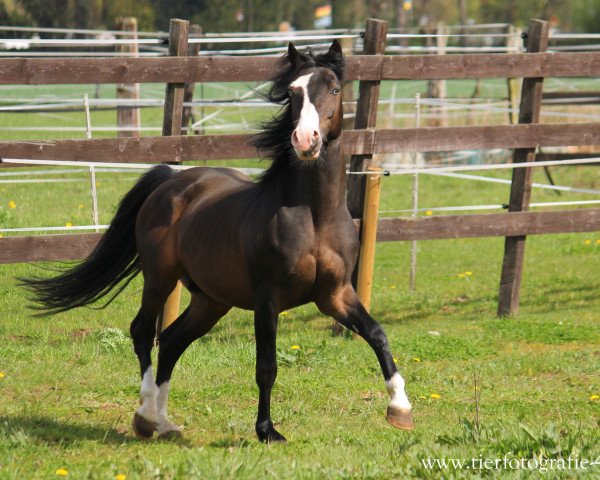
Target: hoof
[270,435]
[170,435]
[273,437]
[400,418]
[143,428]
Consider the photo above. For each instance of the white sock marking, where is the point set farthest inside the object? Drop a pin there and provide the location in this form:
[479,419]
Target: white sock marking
[148,394]
[164,424]
[398,398]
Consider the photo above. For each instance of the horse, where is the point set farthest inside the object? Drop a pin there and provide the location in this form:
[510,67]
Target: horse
[266,245]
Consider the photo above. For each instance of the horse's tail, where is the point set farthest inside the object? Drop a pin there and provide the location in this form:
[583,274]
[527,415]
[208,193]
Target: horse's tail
[114,261]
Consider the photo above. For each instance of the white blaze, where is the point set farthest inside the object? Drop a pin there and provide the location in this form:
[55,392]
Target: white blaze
[309,118]
[398,398]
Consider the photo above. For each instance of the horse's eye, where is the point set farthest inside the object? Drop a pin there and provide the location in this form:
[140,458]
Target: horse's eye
[336,90]
[290,93]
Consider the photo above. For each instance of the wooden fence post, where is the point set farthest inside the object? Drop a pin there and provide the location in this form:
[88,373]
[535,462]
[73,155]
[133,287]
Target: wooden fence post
[188,94]
[437,88]
[128,116]
[173,115]
[366,117]
[520,191]
[348,88]
[368,237]
[513,45]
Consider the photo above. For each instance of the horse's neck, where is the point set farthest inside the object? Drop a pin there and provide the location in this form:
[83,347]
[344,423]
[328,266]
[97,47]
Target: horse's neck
[320,187]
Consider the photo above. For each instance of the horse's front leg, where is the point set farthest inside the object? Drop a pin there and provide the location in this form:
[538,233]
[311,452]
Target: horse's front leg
[345,306]
[265,327]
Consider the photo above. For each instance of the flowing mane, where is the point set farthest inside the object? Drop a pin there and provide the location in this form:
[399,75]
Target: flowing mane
[273,141]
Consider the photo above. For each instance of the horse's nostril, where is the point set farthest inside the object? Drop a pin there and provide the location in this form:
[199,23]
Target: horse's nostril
[295,139]
[315,135]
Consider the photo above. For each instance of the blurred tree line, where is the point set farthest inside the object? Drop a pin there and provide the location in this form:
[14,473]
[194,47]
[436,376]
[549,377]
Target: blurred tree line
[257,15]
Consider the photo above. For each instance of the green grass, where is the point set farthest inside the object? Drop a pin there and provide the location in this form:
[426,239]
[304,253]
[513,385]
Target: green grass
[70,383]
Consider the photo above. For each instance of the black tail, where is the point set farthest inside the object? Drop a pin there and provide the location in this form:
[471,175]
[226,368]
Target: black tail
[114,261]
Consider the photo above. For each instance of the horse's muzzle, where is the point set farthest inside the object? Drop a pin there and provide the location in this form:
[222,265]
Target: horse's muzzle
[313,152]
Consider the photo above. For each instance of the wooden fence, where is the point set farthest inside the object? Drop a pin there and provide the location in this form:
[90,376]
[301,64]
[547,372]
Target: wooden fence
[370,69]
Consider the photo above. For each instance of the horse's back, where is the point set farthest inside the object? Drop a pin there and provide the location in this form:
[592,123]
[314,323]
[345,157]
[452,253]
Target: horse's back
[158,222]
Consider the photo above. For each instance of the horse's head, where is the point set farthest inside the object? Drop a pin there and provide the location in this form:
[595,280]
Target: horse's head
[315,99]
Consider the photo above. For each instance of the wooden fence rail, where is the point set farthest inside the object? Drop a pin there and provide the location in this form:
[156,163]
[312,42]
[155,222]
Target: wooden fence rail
[48,71]
[77,246]
[179,148]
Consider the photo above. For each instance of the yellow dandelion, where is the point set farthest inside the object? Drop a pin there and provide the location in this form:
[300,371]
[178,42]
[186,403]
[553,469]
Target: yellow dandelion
[468,274]
[415,359]
[461,275]
[120,476]
[435,395]
[283,314]
[80,206]
[429,213]
[395,359]
[598,242]
[295,347]
[392,286]
[12,204]
[68,224]
[62,472]
[585,242]
[594,397]
[1,375]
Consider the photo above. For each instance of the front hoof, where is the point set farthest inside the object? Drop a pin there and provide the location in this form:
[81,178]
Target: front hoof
[400,418]
[170,435]
[142,427]
[268,434]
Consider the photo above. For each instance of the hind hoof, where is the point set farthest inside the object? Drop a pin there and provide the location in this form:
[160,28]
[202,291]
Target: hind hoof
[402,419]
[142,427]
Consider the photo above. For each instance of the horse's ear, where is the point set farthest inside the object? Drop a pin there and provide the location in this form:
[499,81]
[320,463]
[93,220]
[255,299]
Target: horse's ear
[294,56]
[335,48]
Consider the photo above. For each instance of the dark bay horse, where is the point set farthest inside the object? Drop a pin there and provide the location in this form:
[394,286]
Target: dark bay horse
[267,246]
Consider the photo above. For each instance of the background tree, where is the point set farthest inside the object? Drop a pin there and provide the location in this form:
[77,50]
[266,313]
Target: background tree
[255,15]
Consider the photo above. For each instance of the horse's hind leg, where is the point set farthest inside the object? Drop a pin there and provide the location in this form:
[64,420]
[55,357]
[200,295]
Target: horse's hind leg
[197,320]
[347,309]
[143,331]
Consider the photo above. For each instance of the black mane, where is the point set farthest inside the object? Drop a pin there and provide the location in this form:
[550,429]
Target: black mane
[273,141]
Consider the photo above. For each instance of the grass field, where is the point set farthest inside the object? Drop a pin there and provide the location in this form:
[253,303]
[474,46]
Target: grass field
[69,384]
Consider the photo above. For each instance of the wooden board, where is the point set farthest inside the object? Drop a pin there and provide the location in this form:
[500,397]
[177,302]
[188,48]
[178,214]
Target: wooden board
[47,247]
[134,150]
[34,71]
[488,225]
[527,65]
[179,148]
[78,246]
[434,139]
